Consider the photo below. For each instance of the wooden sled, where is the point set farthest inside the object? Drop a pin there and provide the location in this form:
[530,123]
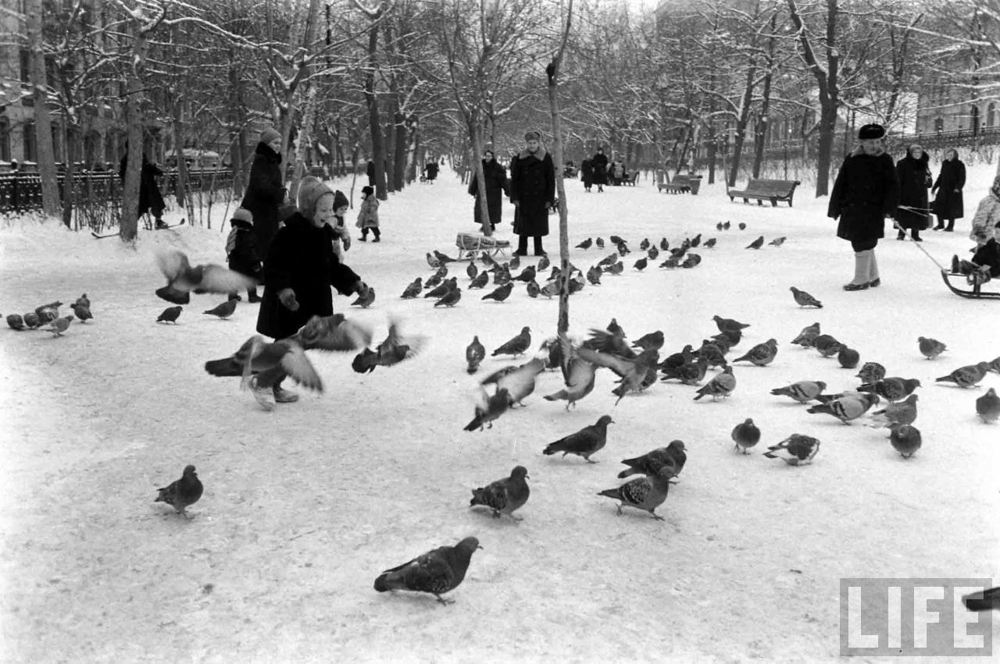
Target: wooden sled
[977,292]
[471,245]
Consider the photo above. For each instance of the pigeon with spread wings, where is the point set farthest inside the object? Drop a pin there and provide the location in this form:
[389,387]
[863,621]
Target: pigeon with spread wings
[182,279]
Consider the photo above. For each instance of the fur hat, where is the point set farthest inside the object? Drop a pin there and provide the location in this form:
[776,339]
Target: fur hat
[242,215]
[339,200]
[311,190]
[367,191]
[269,135]
[532,135]
[870,131]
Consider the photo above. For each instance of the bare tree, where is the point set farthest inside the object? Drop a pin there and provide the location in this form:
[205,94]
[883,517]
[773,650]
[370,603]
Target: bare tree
[43,122]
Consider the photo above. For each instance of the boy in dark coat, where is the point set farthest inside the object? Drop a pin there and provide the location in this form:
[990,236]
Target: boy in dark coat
[299,270]
[533,192]
[949,203]
[241,250]
[265,193]
[914,177]
[495,178]
[864,194]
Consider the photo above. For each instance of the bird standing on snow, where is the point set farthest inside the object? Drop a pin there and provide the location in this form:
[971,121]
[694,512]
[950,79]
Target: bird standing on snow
[641,264]
[224,310]
[745,435]
[722,385]
[930,348]
[170,314]
[500,293]
[82,310]
[850,406]
[988,406]
[644,493]
[208,278]
[182,493]
[796,450]
[905,439]
[967,376]
[672,457]
[897,412]
[481,280]
[450,299]
[807,336]
[802,391]
[848,357]
[435,572]
[729,324]
[585,442]
[59,325]
[892,388]
[804,299]
[504,496]
[15,321]
[761,354]
[488,409]
[413,289]
[756,244]
[871,372]
[778,241]
[474,354]
[516,345]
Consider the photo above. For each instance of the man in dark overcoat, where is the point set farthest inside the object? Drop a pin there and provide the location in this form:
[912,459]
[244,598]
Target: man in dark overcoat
[533,192]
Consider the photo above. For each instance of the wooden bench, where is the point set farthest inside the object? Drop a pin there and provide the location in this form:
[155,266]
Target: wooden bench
[471,245]
[630,180]
[681,184]
[766,190]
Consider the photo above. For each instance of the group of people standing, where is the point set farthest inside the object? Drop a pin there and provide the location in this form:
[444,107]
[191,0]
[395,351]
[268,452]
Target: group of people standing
[915,208]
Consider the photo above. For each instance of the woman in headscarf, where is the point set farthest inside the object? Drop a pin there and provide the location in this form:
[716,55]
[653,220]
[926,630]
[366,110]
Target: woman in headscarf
[949,204]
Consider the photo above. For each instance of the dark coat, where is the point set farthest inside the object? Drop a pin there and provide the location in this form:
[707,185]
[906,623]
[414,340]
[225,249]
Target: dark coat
[600,164]
[370,171]
[587,173]
[432,170]
[949,203]
[533,190]
[495,176]
[264,195]
[245,256]
[150,199]
[301,258]
[914,175]
[865,192]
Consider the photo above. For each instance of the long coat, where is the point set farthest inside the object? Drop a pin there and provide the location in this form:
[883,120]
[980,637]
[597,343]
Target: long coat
[495,177]
[532,190]
[587,173]
[913,175]
[949,202]
[301,257]
[865,192]
[150,199]
[600,163]
[264,195]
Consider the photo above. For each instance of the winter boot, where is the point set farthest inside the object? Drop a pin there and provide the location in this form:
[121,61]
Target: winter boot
[281,395]
[901,235]
[377,234]
[252,296]
[874,281]
[522,245]
[538,246]
[951,226]
[915,234]
[862,266]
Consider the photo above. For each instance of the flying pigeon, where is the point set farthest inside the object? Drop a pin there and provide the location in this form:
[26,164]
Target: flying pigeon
[892,388]
[182,493]
[988,406]
[59,325]
[504,496]
[896,412]
[967,376]
[804,299]
[931,348]
[365,299]
[762,354]
[850,406]
[632,373]
[756,244]
[500,293]
[474,354]
[721,385]
[585,442]
[802,391]
[578,374]
[807,336]
[796,450]
[170,314]
[413,290]
[488,409]
[395,347]
[516,345]
[672,457]
[224,310]
[778,241]
[182,279]
[435,572]
[745,435]
[644,493]
[518,382]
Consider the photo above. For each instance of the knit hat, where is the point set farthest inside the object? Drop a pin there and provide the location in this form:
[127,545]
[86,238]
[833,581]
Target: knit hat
[532,135]
[339,200]
[269,135]
[311,189]
[870,131]
[367,191]
[244,215]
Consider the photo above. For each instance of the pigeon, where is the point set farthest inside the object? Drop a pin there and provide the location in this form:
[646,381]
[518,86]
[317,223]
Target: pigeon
[436,572]
[610,341]
[709,243]
[745,435]
[796,450]
[82,311]
[720,341]
[650,341]
[489,408]
[756,244]
[170,314]
[905,439]
[433,262]
[644,245]
[395,347]
[967,376]
[760,355]
[527,274]
[726,226]
[742,226]
[15,321]
[802,391]
[850,406]
[48,312]
[472,270]
[848,357]
[543,264]
[183,493]
[31,320]
[721,385]
[365,299]
[480,281]
[664,245]
[516,345]
[611,259]
[871,372]
[677,360]
[892,388]
[713,353]
[807,336]
[652,253]
[632,373]
[533,289]
[515,263]
[182,279]
[728,324]
[224,310]
[988,406]
[474,354]
[616,240]
[599,242]
[985,600]
[84,300]
[59,325]
[897,412]
[550,289]
[670,263]
[504,496]
[443,258]
[718,226]
[585,442]
[931,348]
[364,362]
[587,243]
[518,382]
[578,374]
[644,493]
[733,337]
[500,293]
[995,365]
[436,279]
[778,241]
[413,289]
[827,345]
[641,264]
[690,373]
[442,288]
[691,261]
[804,299]
[672,457]
[615,269]
[695,241]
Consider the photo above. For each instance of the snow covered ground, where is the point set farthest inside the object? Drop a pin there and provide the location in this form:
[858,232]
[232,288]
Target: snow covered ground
[305,505]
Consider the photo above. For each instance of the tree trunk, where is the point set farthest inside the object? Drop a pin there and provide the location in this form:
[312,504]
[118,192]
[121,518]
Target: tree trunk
[43,123]
[68,199]
[375,125]
[552,73]
[475,136]
[180,188]
[399,160]
[134,86]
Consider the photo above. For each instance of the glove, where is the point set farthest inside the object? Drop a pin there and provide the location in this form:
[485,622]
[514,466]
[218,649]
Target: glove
[287,297]
[361,288]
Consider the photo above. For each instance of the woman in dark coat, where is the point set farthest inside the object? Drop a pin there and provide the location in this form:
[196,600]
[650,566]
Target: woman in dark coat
[533,192]
[300,268]
[495,177]
[265,193]
[150,199]
[949,204]
[914,176]
[600,164]
[866,191]
[587,174]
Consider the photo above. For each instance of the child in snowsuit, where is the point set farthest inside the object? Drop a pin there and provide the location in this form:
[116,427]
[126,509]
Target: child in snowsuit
[341,237]
[368,215]
[986,233]
[241,250]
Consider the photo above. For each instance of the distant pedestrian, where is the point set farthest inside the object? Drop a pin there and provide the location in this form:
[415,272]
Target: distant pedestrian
[368,215]
[533,192]
[865,193]
[600,163]
[949,203]
[431,170]
[265,192]
[587,174]
[242,252]
[370,171]
[150,199]
[495,178]
[914,176]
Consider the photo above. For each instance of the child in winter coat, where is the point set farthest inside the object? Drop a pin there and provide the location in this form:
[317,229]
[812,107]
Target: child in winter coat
[986,233]
[368,215]
[241,251]
[342,238]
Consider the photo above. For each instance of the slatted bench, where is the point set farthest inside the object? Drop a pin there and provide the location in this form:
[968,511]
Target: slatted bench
[471,245]
[766,190]
[631,179]
[681,184]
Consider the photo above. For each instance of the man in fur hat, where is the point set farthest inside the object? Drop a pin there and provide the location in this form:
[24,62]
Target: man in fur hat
[533,192]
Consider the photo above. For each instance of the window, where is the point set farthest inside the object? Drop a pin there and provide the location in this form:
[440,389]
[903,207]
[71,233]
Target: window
[30,154]
[991,115]
[25,57]
[938,124]
[4,139]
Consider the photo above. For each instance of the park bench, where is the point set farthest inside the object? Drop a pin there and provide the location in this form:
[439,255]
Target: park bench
[471,245]
[681,184]
[630,180]
[766,190]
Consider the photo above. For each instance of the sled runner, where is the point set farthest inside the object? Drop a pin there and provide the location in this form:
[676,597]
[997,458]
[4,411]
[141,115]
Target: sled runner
[471,244]
[115,234]
[976,292]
